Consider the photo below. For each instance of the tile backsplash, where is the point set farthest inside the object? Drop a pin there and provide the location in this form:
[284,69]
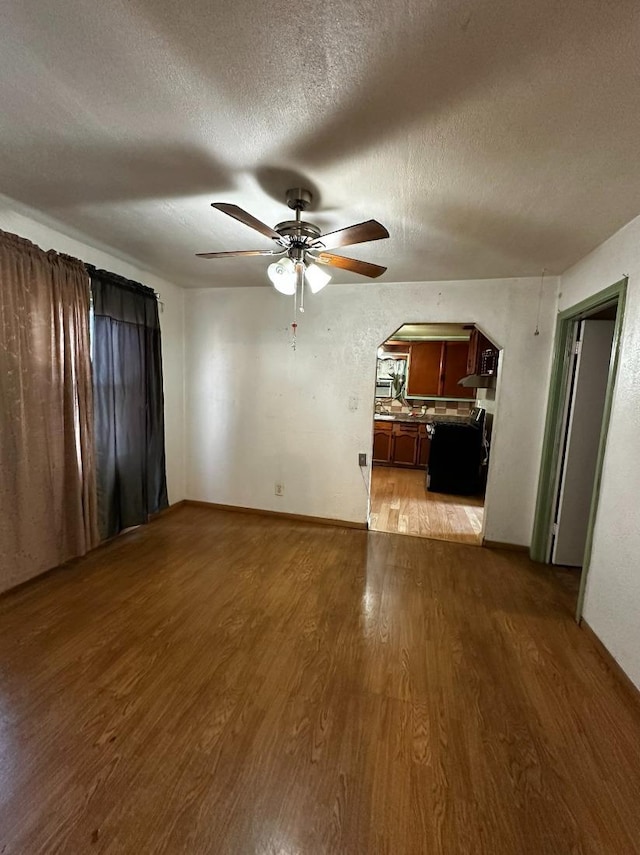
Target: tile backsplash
[438,407]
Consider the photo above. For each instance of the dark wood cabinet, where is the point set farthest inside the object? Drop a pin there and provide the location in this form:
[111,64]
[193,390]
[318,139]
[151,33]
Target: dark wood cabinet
[425,369]
[382,437]
[483,355]
[424,445]
[435,367]
[404,450]
[400,444]
[472,353]
[455,368]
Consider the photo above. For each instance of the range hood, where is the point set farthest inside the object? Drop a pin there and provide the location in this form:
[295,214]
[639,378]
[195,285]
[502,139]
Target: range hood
[478,381]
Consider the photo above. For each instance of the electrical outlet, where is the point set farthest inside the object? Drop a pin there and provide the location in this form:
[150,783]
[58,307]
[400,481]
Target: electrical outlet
[362,459]
[279,489]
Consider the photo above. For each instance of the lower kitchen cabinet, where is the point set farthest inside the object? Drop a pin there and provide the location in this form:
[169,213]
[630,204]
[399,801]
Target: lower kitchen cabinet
[401,444]
[424,445]
[382,442]
[404,448]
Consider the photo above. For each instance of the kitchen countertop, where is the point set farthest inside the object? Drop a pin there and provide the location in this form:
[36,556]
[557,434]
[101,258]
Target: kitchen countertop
[405,418]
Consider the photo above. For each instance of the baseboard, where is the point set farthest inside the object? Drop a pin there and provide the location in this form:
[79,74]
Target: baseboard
[612,664]
[168,510]
[238,509]
[498,544]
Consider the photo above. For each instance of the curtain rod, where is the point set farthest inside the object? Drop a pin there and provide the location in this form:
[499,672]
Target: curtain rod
[124,280]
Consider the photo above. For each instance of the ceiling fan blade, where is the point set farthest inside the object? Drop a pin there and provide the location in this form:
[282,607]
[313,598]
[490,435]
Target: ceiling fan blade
[365,268]
[239,252]
[246,218]
[359,233]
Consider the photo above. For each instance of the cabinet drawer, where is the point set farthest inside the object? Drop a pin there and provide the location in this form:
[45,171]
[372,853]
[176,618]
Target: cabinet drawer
[403,429]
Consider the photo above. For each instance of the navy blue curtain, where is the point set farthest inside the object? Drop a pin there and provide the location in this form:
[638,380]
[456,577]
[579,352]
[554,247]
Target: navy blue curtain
[128,402]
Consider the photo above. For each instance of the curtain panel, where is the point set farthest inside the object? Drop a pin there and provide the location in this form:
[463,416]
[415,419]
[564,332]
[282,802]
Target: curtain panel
[47,464]
[128,402]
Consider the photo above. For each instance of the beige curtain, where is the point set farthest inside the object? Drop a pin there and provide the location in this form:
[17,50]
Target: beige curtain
[47,467]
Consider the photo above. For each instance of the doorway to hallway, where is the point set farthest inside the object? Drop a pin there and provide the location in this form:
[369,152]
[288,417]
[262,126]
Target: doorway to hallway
[582,385]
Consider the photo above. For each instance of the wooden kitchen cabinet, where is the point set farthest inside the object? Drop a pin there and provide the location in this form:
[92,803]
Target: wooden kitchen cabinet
[404,450]
[435,367]
[382,437]
[400,444]
[455,368]
[425,369]
[424,446]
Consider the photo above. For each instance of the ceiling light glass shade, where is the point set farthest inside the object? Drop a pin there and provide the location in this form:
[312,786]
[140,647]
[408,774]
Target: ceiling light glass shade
[283,276]
[316,277]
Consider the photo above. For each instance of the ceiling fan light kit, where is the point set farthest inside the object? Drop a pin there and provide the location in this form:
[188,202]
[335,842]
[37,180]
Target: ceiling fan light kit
[304,247]
[316,278]
[283,276]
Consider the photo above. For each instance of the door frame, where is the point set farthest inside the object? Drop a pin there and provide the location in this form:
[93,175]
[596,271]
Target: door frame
[495,427]
[558,390]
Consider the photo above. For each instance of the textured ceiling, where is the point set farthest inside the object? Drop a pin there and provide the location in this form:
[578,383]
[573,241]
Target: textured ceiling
[491,138]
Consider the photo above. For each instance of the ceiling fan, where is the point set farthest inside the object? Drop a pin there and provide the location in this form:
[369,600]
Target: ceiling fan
[304,246]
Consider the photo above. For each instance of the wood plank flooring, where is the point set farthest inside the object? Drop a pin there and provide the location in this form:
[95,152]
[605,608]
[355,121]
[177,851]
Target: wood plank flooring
[230,684]
[400,503]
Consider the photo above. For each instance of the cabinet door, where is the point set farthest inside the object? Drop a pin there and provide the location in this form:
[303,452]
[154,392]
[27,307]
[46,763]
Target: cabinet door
[405,445]
[382,442]
[424,446]
[425,368]
[474,346]
[455,368]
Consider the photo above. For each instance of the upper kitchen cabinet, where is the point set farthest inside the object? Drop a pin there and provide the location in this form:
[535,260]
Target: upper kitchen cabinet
[433,359]
[483,355]
[425,369]
[435,367]
[455,368]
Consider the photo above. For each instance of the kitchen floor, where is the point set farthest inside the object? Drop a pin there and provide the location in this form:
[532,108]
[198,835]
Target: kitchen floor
[401,504]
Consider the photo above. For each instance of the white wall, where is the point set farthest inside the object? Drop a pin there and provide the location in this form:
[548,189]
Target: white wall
[259,413]
[15,219]
[612,603]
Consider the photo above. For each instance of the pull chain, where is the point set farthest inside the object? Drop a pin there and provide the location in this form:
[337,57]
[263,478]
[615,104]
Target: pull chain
[294,325]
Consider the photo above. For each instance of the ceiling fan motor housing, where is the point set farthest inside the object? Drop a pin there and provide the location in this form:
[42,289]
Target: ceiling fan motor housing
[299,199]
[298,229]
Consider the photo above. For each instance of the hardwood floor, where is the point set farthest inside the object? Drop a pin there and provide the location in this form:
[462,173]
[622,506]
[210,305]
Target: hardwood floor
[225,683]
[401,504]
